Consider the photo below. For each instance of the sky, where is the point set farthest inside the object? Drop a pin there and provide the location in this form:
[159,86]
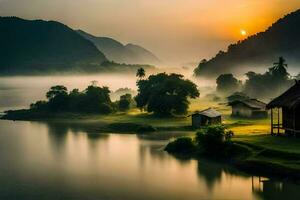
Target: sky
[177,31]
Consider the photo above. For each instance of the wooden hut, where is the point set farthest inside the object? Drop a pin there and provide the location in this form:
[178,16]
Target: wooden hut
[287,107]
[249,108]
[206,117]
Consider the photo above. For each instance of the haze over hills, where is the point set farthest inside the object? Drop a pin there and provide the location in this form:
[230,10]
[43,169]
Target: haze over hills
[37,45]
[117,52]
[258,51]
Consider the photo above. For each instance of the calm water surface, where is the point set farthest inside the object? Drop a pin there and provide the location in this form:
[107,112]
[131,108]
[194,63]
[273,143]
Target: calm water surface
[56,161]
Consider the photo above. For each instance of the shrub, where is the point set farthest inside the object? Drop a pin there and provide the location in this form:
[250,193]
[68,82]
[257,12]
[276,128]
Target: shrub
[125,101]
[214,140]
[183,146]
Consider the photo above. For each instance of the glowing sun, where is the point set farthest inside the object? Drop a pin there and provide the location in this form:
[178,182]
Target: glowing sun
[243,32]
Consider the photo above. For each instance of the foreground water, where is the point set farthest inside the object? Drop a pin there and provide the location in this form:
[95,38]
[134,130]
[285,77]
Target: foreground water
[56,161]
[53,161]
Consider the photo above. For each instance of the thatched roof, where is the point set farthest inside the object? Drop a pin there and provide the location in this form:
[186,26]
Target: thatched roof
[210,112]
[251,103]
[289,99]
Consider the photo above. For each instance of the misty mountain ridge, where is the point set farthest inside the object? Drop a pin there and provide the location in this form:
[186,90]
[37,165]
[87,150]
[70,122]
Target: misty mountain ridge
[258,51]
[117,52]
[39,46]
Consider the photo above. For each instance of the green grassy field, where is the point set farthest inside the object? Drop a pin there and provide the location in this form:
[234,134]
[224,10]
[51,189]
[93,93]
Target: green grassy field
[239,126]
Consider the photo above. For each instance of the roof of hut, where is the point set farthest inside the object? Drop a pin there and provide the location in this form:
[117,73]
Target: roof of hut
[210,112]
[251,103]
[289,99]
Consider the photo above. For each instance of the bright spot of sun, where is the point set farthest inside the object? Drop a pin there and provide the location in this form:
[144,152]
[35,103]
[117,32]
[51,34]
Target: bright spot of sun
[243,32]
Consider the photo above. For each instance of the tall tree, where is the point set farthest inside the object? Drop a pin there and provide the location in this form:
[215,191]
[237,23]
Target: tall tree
[279,70]
[141,73]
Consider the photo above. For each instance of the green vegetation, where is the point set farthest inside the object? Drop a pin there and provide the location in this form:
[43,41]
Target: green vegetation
[140,73]
[125,102]
[227,84]
[272,83]
[165,94]
[212,141]
[263,86]
[92,100]
[259,154]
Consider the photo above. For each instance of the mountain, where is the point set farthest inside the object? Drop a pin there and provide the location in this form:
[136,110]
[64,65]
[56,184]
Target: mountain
[28,46]
[259,51]
[117,52]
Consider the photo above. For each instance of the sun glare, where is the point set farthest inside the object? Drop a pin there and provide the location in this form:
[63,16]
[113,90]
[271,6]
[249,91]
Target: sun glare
[243,32]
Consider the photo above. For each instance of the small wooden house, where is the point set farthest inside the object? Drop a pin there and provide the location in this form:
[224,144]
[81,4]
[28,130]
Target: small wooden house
[206,117]
[287,106]
[249,108]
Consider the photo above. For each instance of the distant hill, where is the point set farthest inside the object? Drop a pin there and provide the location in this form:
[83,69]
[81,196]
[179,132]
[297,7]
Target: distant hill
[28,46]
[258,51]
[117,52]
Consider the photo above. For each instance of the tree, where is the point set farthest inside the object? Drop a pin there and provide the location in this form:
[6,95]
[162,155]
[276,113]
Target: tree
[165,94]
[56,90]
[227,84]
[141,73]
[125,101]
[279,71]
[270,84]
[96,100]
[58,98]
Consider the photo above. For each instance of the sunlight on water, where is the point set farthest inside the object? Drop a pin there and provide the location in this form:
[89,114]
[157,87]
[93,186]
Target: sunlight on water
[56,160]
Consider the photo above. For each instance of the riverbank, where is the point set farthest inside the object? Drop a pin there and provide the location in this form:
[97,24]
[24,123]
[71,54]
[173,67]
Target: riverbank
[261,155]
[133,121]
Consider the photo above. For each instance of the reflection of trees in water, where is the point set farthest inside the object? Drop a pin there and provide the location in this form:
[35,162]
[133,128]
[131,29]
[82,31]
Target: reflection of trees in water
[155,150]
[269,189]
[211,172]
[58,134]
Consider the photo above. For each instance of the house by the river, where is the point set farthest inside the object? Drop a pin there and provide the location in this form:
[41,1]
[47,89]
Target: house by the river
[206,117]
[249,108]
[285,111]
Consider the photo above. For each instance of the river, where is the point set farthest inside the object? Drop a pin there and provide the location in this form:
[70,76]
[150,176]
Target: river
[56,161]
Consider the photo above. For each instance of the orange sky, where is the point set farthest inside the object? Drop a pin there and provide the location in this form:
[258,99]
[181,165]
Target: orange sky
[176,30]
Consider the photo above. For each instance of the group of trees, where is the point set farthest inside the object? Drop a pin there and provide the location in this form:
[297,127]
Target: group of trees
[165,94]
[162,94]
[267,85]
[227,84]
[93,99]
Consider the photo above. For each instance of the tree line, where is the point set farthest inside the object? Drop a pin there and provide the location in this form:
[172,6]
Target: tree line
[161,94]
[267,85]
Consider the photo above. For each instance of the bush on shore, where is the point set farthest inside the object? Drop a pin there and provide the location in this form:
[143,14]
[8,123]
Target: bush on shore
[213,141]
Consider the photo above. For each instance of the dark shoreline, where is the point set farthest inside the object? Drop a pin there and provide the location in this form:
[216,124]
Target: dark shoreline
[250,166]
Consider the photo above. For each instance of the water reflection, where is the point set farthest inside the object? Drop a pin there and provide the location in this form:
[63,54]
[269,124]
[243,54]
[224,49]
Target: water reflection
[63,161]
[273,189]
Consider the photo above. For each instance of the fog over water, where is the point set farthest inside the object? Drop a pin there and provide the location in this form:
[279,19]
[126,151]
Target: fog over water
[20,91]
